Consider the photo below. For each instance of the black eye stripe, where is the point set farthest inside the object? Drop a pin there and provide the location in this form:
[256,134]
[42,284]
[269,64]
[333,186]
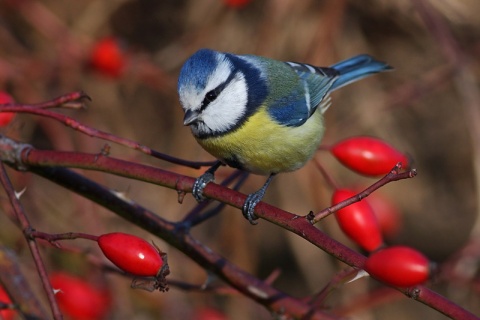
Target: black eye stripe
[213,94]
[210,96]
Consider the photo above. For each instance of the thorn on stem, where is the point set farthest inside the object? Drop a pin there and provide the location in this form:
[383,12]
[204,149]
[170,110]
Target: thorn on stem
[414,293]
[181,196]
[106,150]
[413,173]
[310,216]
[84,95]
[397,167]
[20,193]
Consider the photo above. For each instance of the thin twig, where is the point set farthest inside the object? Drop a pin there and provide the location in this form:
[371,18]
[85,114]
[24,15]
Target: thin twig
[69,100]
[330,181]
[19,286]
[54,237]
[339,279]
[393,175]
[40,110]
[32,245]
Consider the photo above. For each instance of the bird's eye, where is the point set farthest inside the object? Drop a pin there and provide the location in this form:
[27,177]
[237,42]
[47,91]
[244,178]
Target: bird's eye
[211,95]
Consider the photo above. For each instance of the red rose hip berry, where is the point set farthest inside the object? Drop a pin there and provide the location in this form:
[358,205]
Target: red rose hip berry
[368,156]
[358,221]
[208,314]
[6,314]
[131,253]
[78,298]
[399,266]
[107,57]
[237,3]
[388,215]
[6,117]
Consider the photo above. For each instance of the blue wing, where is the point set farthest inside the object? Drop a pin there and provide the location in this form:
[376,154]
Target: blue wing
[317,82]
[290,110]
[315,85]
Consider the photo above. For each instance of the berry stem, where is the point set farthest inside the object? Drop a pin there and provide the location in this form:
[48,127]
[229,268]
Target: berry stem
[393,175]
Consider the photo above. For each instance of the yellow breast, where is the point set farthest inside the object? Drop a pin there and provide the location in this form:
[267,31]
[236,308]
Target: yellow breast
[262,146]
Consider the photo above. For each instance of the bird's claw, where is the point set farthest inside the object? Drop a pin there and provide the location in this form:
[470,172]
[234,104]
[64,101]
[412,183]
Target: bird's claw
[249,207]
[200,184]
[252,200]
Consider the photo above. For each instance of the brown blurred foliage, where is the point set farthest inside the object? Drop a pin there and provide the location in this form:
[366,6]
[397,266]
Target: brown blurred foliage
[428,107]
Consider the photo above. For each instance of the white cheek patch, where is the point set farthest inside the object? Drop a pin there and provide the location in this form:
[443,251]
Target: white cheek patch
[224,112]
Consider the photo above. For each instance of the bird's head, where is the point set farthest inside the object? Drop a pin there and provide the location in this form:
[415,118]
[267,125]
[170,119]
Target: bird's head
[214,91]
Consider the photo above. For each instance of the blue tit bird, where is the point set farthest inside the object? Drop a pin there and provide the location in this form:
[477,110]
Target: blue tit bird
[258,114]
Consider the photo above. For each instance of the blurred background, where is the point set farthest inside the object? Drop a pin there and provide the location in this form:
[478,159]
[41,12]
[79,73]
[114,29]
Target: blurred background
[126,55]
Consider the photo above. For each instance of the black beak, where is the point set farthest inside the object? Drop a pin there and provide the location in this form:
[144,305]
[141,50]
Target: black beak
[190,117]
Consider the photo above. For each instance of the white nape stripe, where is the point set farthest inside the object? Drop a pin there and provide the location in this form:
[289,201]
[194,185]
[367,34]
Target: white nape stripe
[220,74]
[253,61]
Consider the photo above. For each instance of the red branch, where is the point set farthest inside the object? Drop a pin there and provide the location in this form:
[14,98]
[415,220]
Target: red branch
[47,163]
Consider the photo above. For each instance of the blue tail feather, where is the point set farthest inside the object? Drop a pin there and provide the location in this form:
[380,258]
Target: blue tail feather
[356,68]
